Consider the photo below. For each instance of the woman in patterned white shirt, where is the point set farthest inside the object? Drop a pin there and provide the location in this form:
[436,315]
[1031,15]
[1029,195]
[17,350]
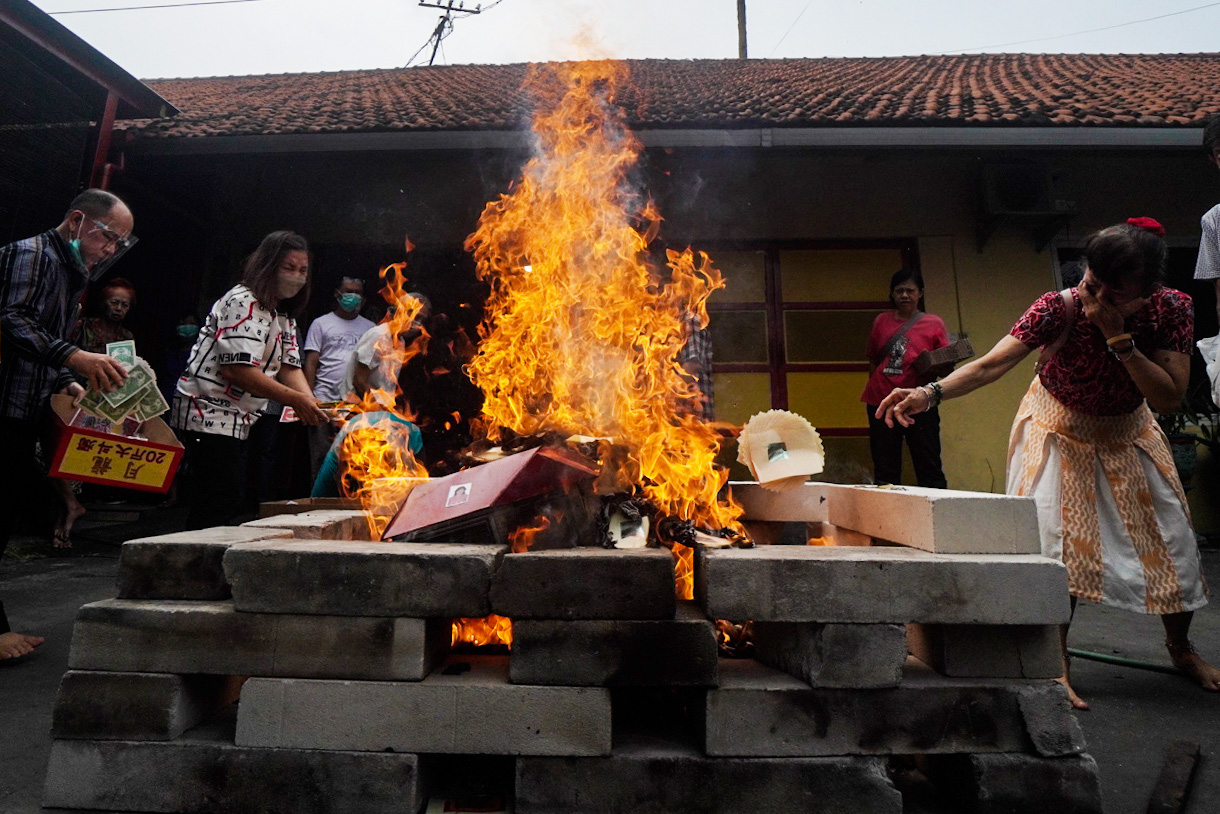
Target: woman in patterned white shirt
[246,353]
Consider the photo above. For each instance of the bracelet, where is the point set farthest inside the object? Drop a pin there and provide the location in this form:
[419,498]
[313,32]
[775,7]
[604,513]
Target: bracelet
[1116,340]
[1115,351]
[934,393]
[939,391]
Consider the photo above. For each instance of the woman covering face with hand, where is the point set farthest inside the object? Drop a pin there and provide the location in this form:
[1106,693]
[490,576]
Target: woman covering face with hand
[246,353]
[1085,444]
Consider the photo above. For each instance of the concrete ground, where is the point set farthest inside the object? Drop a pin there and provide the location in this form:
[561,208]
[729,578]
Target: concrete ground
[1135,714]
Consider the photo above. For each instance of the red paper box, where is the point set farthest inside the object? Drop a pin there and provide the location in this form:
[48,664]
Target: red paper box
[114,460]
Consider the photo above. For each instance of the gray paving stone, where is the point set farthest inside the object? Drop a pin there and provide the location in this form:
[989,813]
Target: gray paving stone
[938,520]
[137,706]
[306,504]
[833,655]
[759,711]
[661,778]
[806,503]
[585,583]
[185,565]
[174,636]
[319,524]
[879,584]
[204,773]
[616,653]
[1021,784]
[988,651]
[452,711]
[346,578]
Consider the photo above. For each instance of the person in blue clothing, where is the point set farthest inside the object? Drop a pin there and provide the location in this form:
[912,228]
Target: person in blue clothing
[399,433]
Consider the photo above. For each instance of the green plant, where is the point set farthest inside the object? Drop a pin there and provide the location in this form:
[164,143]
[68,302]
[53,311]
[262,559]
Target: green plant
[1197,416]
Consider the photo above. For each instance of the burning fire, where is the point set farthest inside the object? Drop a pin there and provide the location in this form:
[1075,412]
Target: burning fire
[583,333]
[379,469]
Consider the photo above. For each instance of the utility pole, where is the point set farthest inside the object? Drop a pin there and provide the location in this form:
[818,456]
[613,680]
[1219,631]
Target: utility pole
[741,29]
[450,7]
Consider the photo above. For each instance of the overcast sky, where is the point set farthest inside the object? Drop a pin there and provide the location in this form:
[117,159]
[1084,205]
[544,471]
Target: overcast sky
[278,36]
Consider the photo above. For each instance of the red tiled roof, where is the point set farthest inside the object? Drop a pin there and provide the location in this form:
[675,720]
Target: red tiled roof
[1153,90]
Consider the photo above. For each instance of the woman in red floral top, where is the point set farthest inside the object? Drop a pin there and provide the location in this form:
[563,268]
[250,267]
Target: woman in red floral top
[1085,444]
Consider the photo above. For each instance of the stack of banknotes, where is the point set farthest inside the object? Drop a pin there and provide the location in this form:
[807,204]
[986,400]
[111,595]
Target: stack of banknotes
[130,404]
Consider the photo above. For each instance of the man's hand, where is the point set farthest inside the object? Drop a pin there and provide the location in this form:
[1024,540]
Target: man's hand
[75,391]
[103,372]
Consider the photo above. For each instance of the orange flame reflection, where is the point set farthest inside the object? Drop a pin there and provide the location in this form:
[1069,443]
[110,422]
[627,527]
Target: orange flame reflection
[583,334]
[489,630]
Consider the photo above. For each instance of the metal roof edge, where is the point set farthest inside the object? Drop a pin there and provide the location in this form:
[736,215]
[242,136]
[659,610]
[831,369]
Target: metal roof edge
[824,137]
[33,23]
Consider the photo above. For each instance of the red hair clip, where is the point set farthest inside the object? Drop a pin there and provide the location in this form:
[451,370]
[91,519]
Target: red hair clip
[1148,225]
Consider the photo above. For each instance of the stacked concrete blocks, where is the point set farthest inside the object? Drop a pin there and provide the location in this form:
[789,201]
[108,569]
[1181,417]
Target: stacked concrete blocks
[354,695]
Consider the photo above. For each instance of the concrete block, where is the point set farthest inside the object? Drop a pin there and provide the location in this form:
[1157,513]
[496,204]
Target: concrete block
[466,708]
[185,565]
[362,578]
[988,651]
[585,583]
[664,778]
[204,773]
[171,636]
[137,706]
[805,503]
[616,653]
[938,520]
[833,655]
[1020,784]
[761,712]
[879,584]
[306,504]
[319,524]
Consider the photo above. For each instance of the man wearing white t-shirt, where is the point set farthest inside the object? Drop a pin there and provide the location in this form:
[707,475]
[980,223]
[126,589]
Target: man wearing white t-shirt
[1208,265]
[329,346]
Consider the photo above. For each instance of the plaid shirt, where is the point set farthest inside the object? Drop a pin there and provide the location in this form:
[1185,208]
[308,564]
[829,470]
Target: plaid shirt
[40,292]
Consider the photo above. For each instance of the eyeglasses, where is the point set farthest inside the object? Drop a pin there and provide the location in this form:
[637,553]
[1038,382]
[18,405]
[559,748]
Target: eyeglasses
[112,237]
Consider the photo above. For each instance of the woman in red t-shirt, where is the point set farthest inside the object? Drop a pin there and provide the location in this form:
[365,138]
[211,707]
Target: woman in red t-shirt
[893,345]
[1085,444]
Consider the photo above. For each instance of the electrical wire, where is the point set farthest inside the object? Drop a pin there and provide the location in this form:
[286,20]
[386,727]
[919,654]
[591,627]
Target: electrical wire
[1124,662]
[786,33]
[141,8]
[1078,33]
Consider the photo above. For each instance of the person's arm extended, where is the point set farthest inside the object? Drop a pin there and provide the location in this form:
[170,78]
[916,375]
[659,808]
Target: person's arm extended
[904,403]
[309,367]
[293,392]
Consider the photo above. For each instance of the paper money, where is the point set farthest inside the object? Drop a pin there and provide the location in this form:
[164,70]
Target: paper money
[139,378]
[124,351]
[150,405]
[94,403]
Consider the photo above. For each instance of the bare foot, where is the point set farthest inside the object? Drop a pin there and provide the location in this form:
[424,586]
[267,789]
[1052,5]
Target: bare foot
[14,645]
[61,540]
[1075,700]
[1188,660]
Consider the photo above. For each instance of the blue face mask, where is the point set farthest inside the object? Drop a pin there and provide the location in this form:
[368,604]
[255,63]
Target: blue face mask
[188,331]
[350,302]
[74,248]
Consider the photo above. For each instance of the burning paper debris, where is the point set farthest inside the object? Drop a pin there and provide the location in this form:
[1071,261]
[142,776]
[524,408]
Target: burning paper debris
[781,449]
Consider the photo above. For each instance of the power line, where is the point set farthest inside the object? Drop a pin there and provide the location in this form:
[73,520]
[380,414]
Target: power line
[789,31]
[444,26]
[141,8]
[1078,33]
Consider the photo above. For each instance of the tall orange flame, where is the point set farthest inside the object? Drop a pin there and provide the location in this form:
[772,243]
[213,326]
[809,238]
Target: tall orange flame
[582,334]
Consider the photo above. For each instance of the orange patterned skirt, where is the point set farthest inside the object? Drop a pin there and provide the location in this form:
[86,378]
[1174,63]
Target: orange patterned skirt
[1110,504]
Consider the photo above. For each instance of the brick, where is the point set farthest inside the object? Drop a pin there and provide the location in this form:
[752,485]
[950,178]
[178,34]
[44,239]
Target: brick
[585,583]
[204,773]
[803,504]
[663,778]
[319,524]
[761,712]
[937,520]
[306,504]
[475,711]
[170,636]
[345,578]
[137,706]
[988,651]
[185,565]
[616,653]
[879,584]
[1020,784]
[833,655]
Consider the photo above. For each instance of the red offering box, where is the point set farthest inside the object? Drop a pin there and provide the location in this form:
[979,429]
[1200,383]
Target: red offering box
[146,464]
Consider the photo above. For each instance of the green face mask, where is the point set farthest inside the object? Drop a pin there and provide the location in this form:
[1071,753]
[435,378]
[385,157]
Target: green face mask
[74,248]
[350,302]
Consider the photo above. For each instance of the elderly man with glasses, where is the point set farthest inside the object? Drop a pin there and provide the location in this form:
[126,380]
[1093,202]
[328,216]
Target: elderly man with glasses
[42,279]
